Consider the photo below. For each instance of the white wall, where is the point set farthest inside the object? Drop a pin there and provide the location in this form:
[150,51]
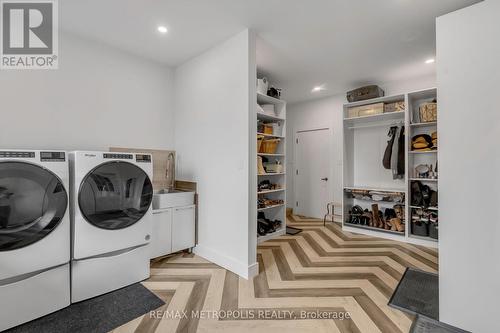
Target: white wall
[212,138]
[327,113]
[99,97]
[469,163]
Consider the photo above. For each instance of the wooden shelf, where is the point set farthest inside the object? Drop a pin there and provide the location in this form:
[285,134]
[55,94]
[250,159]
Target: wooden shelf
[264,99]
[424,179]
[273,235]
[272,155]
[429,124]
[271,191]
[270,207]
[423,152]
[399,233]
[367,188]
[271,135]
[272,174]
[428,208]
[267,117]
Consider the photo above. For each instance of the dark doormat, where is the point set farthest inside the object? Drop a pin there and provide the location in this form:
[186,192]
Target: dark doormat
[426,325]
[292,231]
[100,314]
[417,293]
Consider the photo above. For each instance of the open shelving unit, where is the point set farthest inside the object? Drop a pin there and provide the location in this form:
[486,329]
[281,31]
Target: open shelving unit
[365,140]
[421,157]
[274,212]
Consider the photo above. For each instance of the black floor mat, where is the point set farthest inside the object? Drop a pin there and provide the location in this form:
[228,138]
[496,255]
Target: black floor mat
[417,293]
[425,325]
[100,314]
[292,231]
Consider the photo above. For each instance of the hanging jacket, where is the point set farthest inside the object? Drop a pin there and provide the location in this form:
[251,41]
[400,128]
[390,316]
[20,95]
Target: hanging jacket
[386,161]
[394,154]
[401,153]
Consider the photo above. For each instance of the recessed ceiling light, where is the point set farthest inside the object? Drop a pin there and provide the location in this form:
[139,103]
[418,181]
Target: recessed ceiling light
[318,89]
[162,29]
[430,61]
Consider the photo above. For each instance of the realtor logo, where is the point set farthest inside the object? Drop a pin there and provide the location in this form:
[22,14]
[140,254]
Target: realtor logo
[29,38]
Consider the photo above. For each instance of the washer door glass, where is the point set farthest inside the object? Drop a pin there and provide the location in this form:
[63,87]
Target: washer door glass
[115,195]
[33,202]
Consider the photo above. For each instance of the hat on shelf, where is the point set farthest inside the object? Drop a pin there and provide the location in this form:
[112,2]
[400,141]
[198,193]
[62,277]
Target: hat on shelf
[434,137]
[421,142]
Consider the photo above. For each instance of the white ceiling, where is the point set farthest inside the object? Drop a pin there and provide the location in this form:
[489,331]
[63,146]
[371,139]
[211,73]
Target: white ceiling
[340,44]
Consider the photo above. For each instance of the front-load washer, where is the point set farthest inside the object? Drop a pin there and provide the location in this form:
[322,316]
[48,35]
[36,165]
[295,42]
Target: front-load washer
[111,215]
[34,235]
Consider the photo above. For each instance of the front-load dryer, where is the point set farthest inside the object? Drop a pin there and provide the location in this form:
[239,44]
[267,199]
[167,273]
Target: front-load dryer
[111,216]
[34,235]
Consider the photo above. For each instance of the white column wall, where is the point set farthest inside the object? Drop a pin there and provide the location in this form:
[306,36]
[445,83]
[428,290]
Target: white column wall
[214,93]
[468,53]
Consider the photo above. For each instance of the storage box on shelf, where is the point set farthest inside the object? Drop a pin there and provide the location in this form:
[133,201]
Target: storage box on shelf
[271,148]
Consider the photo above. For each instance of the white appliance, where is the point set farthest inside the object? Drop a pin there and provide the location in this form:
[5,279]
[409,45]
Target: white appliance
[111,216]
[34,235]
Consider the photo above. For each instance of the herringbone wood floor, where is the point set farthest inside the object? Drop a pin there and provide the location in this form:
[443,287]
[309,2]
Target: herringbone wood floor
[320,269]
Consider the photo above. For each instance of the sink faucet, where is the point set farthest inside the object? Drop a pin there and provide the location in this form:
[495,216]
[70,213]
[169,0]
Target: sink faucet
[170,171]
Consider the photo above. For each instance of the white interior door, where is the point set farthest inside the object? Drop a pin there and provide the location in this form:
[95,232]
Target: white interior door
[312,172]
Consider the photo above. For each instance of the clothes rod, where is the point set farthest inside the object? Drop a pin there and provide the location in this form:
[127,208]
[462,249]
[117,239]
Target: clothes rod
[377,125]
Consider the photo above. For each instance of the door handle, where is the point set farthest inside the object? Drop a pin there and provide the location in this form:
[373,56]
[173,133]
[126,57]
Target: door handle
[324,179]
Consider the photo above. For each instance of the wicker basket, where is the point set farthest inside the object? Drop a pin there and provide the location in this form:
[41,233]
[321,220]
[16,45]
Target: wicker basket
[260,166]
[260,138]
[268,129]
[269,146]
[428,112]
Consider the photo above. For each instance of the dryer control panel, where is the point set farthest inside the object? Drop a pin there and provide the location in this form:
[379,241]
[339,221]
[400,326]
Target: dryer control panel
[52,156]
[143,158]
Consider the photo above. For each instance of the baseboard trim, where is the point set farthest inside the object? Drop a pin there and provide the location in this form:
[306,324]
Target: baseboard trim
[253,270]
[237,267]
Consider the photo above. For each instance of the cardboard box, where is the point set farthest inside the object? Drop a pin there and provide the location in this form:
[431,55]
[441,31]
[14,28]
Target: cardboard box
[394,107]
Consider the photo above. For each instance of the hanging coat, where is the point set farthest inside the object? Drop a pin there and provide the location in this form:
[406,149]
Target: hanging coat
[394,155]
[401,153]
[386,161]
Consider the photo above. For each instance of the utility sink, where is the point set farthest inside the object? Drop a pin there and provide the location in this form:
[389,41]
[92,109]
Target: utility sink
[174,198]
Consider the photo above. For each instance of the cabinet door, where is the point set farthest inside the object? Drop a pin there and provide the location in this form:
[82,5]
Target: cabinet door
[183,228]
[161,238]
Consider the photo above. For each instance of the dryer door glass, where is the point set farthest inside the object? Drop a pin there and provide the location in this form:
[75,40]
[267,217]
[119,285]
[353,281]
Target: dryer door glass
[115,195]
[33,202]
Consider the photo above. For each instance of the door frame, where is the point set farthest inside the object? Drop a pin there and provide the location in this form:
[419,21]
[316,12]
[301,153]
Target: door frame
[331,177]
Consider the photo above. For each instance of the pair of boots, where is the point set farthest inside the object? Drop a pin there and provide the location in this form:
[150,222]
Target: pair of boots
[266,226]
[391,221]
